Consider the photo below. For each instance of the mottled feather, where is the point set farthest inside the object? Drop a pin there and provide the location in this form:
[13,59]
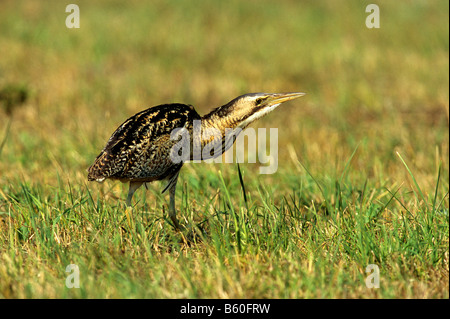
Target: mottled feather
[139,149]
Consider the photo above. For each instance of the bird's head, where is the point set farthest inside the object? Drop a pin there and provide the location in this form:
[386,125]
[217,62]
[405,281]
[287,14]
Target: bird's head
[247,108]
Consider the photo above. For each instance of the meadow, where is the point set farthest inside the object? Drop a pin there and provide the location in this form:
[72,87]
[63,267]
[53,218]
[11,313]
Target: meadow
[363,158]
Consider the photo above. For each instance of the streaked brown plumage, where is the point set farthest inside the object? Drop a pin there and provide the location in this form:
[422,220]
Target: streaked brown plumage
[139,151]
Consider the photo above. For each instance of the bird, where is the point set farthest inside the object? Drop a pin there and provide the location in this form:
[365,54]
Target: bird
[143,148]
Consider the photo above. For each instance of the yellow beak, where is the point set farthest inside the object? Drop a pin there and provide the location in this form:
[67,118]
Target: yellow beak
[283,97]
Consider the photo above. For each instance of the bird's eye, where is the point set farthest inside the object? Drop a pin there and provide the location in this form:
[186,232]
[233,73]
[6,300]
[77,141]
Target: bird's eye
[259,101]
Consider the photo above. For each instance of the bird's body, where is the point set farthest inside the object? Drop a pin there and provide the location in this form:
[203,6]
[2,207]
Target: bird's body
[140,149]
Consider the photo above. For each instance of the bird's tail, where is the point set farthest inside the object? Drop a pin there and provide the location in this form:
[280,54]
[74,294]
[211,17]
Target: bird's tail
[98,171]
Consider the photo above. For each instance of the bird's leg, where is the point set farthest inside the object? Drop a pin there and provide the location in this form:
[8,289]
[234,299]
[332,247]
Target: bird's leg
[133,187]
[172,211]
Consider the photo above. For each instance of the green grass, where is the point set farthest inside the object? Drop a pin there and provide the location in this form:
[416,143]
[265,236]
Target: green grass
[363,174]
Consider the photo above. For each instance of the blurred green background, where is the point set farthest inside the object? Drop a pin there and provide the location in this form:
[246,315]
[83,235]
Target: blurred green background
[386,87]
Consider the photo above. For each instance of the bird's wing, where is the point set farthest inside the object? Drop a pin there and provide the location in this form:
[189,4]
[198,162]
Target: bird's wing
[139,148]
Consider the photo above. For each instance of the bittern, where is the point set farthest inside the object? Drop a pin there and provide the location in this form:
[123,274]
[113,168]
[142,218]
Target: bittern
[141,149]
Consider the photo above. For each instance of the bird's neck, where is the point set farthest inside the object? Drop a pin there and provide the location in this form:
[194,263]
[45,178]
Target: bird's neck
[219,129]
[222,118]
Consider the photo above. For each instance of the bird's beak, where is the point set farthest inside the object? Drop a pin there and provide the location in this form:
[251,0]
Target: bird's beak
[283,97]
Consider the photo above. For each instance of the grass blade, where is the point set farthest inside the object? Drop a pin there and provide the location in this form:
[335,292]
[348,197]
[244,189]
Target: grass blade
[241,180]
[413,178]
